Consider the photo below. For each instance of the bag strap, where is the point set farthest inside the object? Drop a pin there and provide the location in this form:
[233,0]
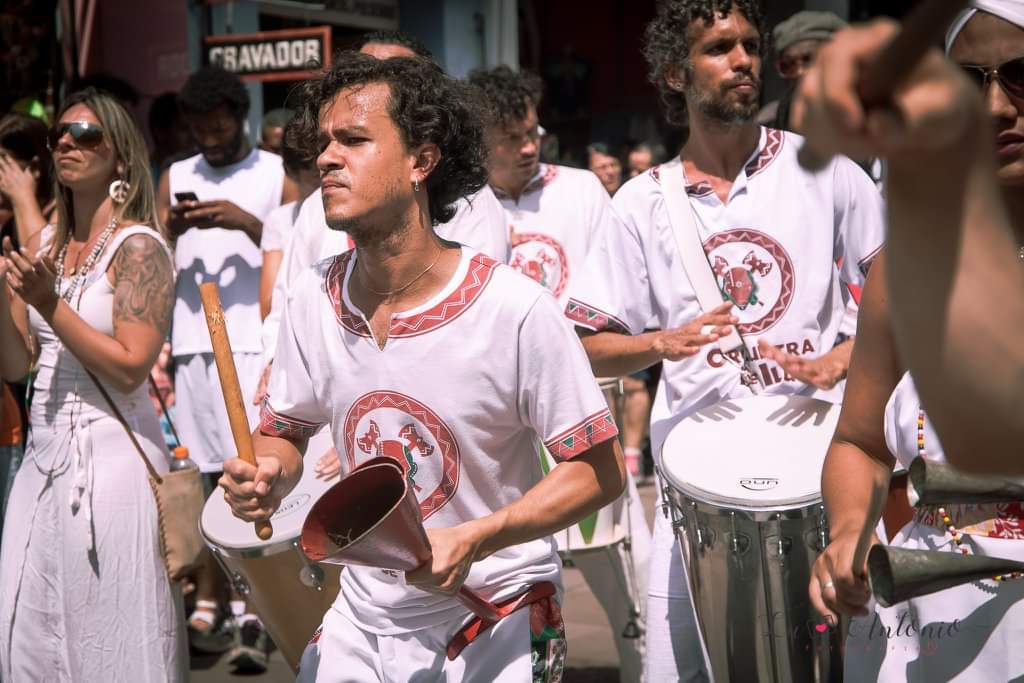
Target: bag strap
[124,423]
[695,260]
[163,407]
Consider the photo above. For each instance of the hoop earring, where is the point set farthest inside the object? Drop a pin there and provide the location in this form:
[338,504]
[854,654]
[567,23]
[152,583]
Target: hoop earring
[118,191]
[415,186]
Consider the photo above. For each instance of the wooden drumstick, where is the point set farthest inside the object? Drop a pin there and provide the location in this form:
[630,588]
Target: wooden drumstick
[874,513]
[923,27]
[210,296]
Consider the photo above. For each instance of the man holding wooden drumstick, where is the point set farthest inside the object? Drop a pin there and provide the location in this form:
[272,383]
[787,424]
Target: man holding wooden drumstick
[767,236]
[419,348]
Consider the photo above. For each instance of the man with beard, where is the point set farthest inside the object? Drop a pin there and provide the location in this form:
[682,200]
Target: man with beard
[416,345]
[214,204]
[772,234]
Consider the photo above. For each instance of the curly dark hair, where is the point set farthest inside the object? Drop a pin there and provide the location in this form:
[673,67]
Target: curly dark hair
[426,106]
[666,41]
[212,87]
[506,95]
[393,38]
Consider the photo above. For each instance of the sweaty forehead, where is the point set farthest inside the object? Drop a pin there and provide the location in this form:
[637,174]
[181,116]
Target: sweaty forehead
[359,105]
[988,40]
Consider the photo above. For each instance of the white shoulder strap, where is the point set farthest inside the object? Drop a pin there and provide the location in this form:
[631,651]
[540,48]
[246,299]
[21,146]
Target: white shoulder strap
[691,251]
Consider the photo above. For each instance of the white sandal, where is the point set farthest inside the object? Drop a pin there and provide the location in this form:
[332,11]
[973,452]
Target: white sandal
[204,613]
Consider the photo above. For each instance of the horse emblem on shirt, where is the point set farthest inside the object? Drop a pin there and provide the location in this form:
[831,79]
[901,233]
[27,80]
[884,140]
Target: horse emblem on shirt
[739,284]
[402,449]
[755,273]
[540,258]
[396,425]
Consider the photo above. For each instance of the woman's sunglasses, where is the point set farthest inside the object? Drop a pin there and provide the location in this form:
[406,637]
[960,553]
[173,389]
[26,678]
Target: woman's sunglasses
[1009,75]
[84,134]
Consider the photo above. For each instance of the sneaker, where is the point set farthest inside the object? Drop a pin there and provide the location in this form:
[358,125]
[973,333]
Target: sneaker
[251,655]
[210,631]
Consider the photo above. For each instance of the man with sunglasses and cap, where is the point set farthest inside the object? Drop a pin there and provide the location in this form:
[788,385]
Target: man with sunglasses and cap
[214,204]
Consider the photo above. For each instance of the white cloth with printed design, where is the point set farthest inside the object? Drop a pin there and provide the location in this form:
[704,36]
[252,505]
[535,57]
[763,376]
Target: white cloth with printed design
[460,393]
[967,633]
[774,247]
[479,222]
[554,224]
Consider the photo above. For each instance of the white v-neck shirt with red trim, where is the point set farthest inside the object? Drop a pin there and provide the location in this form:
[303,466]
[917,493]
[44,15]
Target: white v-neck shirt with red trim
[773,247]
[554,223]
[459,394]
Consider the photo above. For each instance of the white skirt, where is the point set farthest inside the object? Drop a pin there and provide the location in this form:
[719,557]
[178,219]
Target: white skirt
[973,632]
[84,595]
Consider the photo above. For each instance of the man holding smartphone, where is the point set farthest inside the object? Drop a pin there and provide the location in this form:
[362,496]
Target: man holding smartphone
[220,198]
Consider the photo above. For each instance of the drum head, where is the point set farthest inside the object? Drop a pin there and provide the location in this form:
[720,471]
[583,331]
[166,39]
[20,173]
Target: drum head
[758,453]
[237,538]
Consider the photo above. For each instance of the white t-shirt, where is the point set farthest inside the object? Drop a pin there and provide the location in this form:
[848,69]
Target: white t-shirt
[460,393]
[774,249]
[227,257]
[278,226]
[479,222]
[554,223]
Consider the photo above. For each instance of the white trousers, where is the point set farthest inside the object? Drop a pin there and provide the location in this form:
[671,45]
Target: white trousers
[506,653]
[619,582]
[673,638]
[200,414]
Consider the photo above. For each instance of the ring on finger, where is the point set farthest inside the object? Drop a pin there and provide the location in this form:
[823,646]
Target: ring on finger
[707,330]
[828,584]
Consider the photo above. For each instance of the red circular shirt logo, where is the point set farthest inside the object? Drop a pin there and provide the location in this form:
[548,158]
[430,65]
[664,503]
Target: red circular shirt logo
[541,258]
[755,274]
[386,423]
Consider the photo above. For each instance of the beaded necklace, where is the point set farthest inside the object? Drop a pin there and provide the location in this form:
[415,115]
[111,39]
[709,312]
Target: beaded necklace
[947,520]
[90,262]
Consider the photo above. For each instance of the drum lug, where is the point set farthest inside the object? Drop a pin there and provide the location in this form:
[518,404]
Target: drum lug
[737,541]
[311,575]
[238,582]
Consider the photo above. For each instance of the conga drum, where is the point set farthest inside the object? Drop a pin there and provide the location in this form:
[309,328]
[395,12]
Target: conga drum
[743,484]
[289,592]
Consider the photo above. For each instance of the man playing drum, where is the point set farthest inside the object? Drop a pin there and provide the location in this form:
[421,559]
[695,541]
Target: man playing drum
[421,348]
[554,214]
[772,234]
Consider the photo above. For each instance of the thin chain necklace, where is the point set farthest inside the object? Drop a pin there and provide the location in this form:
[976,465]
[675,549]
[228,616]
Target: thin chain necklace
[81,273]
[404,287]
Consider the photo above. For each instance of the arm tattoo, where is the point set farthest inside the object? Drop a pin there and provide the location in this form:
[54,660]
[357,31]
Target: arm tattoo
[143,284]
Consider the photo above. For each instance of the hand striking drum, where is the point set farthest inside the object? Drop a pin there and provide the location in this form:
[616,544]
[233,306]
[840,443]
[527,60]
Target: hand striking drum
[767,235]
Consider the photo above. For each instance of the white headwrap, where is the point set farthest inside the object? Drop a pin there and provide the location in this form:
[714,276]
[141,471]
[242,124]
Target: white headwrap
[1010,10]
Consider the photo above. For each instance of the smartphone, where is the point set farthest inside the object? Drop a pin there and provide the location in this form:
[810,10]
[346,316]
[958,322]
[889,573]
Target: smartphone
[186,197]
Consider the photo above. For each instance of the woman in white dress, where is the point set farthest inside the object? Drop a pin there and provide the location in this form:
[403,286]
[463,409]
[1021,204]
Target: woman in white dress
[971,632]
[84,594]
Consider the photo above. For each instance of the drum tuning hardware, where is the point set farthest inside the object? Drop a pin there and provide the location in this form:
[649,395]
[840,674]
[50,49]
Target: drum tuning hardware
[311,575]
[632,629]
[567,560]
[238,582]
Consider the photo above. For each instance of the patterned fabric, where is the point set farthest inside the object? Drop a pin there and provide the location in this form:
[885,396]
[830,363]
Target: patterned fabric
[275,424]
[547,641]
[593,319]
[575,440]
[999,520]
